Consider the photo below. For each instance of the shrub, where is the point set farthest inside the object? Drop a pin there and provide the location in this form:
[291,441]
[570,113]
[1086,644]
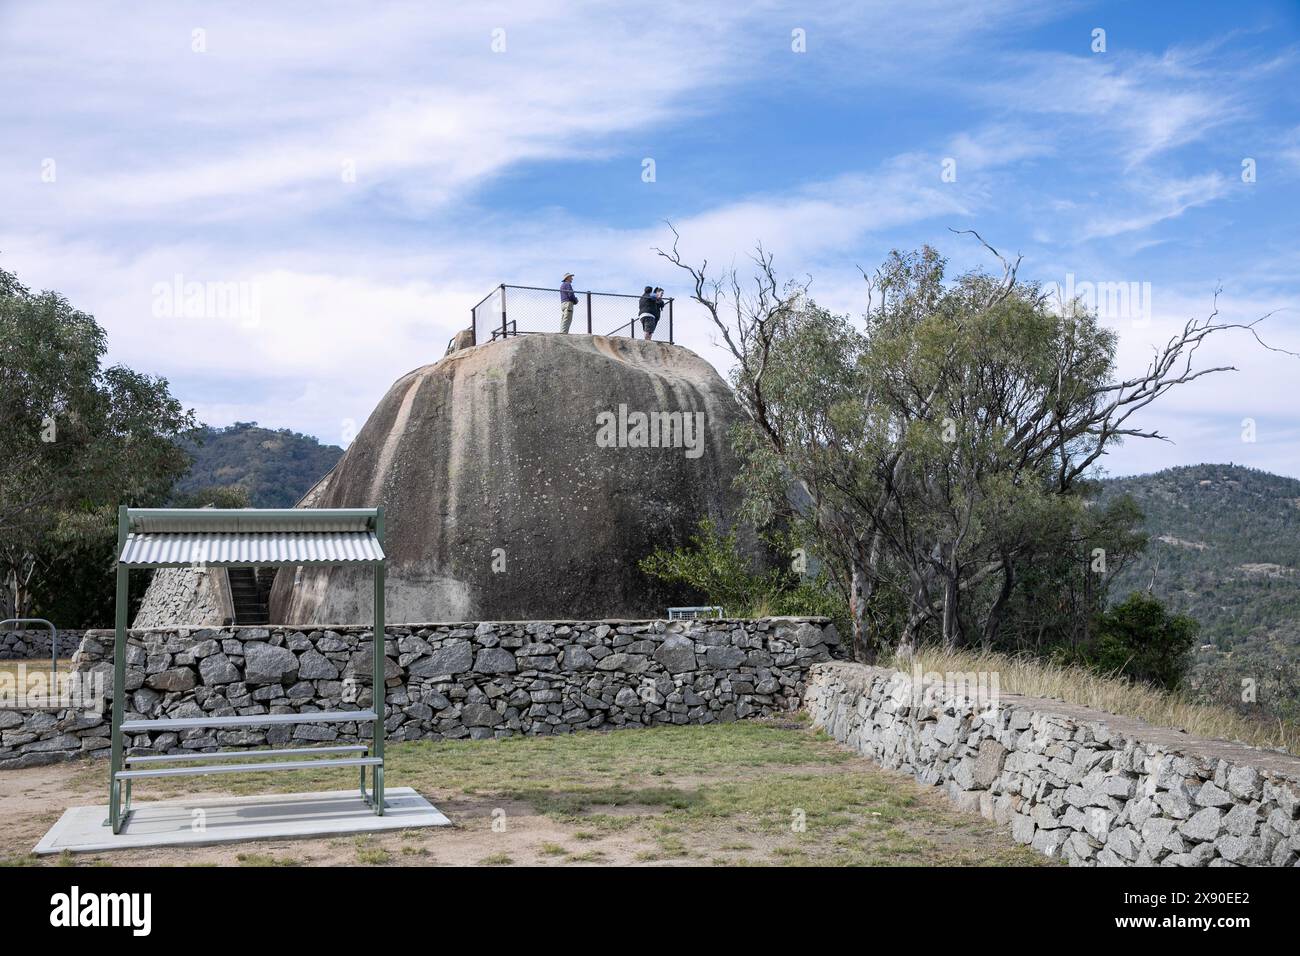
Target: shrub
[712,564]
[1140,639]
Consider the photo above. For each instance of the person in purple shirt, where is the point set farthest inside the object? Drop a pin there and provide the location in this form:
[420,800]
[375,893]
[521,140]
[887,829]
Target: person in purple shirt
[567,301]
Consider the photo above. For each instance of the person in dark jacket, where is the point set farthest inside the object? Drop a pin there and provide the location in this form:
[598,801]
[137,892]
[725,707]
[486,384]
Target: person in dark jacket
[567,301]
[648,307]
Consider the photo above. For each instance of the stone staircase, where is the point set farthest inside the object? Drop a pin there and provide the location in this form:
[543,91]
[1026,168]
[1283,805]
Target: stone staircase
[249,590]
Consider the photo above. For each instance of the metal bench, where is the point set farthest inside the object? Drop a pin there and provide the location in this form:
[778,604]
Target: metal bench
[274,757]
[246,754]
[249,720]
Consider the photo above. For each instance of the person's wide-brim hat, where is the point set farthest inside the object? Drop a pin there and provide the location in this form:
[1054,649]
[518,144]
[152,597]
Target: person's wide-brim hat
[567,275]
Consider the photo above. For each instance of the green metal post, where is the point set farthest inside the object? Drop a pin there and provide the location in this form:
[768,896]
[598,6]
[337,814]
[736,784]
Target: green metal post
[379,689]
[119,676]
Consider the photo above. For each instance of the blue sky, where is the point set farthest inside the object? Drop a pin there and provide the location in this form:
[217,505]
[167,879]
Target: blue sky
[147,141]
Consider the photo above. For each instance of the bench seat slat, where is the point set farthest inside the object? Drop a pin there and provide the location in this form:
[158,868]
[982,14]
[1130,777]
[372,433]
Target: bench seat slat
[249,720]
[245,754]
[250,767]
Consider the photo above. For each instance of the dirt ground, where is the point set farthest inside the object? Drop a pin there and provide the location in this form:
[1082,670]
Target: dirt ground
[740,794]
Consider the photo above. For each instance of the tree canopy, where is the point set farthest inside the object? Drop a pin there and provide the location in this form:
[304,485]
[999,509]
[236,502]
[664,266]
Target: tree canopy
[76,439]
[940,454]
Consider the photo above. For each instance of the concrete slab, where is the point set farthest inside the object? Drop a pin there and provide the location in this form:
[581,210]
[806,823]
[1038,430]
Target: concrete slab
[236,819]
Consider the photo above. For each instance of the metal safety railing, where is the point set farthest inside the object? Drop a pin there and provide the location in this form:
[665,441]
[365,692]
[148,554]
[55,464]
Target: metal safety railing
[522,309]
[697,613]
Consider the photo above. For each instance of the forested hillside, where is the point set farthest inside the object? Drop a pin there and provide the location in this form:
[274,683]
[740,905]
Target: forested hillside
[274,467]
[1225,549]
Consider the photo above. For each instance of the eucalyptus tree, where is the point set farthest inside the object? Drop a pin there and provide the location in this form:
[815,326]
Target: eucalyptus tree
[936,454]
[76,438]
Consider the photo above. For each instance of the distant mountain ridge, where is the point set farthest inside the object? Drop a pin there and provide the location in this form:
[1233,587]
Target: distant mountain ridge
[276,467]
[1224,548]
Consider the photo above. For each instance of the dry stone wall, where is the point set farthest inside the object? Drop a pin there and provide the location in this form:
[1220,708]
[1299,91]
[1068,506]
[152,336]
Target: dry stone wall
[34,644]
[444,681]
[1078,784]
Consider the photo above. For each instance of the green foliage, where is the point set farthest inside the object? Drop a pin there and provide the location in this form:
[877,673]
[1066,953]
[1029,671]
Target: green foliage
[812,597]
[76,439]
[274,468]
[73,583]
[1139,638]
[1225,549]
[219,496]
[712,564]
[939,450]
[1259,681]
[1079,546]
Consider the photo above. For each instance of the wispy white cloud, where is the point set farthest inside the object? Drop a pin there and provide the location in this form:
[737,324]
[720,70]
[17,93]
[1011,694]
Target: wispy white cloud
[1160,199]
[263,120]
[228,165]
[1131,105]
[1288,150]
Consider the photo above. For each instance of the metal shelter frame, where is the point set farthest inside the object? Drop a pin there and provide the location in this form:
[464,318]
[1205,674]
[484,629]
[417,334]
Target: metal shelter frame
[242,537]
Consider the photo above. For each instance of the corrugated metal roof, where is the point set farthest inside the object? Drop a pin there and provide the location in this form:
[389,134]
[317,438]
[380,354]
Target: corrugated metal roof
[253,520]
[177,549]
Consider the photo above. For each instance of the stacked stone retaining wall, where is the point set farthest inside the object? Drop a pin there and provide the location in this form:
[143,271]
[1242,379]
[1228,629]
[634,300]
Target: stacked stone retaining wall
[34,644]
[1078,784]
[444,681]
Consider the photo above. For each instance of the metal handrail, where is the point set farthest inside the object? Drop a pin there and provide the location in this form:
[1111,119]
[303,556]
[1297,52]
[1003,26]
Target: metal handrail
[630,325]
[54,645]
[502,327]
[485,298]
[541,288]
[693,613]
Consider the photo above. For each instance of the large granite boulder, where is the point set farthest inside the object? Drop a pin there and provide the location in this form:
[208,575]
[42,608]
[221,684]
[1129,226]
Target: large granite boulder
[525,479]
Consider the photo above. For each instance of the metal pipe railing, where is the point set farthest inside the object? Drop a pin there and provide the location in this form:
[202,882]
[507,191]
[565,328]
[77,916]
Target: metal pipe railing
[539,309]
[54,645]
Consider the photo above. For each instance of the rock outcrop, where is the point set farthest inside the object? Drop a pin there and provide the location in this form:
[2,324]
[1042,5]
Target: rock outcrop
[525,479]
[463,339]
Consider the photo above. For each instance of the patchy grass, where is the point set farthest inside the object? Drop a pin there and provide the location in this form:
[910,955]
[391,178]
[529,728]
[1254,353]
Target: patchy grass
[38,667]
[746,793]
[263,859]
[575,803]
[1079,685]
[570,763]
[371,854]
